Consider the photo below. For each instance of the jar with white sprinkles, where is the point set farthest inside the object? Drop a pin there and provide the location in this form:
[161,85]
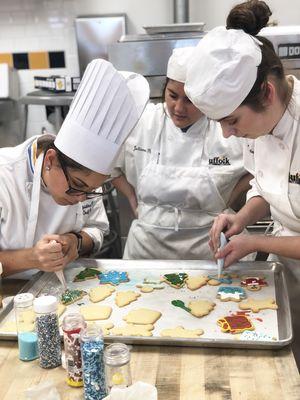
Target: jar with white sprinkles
[47,329]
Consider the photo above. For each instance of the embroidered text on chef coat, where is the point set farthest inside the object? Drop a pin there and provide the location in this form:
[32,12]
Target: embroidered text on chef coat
[223,160]
[294,178]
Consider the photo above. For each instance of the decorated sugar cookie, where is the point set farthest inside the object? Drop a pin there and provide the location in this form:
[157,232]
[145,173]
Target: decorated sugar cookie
[181,332]
[113,277]
[254,283]
[231,293]
[124,298]
[215,281]
[259,304]
[235,324]
[198,308]
[71,295]
[87,273]
[176,280]
[196,282]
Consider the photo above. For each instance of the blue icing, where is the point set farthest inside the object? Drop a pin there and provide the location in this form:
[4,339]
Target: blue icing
[232,290]
[224,279]
[114,277]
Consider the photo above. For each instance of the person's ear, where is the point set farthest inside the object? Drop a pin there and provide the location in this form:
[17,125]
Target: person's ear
[49,159]
[270,93]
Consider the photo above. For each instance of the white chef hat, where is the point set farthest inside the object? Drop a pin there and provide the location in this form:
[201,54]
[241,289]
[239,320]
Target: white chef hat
[177,64]
[105,109]
[222,71]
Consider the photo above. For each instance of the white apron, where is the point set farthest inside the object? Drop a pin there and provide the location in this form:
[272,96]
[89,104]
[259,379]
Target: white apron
[176,208]
[276,192]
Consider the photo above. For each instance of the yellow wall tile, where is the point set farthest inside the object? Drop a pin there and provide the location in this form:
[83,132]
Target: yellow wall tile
[6,58]
[38,60]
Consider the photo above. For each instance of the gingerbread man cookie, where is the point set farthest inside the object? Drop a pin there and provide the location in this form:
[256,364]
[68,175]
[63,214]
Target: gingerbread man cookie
[257,305]
[253,283]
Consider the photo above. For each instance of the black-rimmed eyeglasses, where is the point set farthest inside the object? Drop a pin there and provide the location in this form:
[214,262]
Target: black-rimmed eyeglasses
[77,192]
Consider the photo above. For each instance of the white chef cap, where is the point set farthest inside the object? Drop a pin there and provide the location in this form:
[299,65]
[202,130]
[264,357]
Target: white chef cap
[105,109]
[222,71]
[177,64]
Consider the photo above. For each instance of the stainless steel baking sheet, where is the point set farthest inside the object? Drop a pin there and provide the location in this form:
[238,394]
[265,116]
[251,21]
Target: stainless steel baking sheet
[172,28]
[273,327]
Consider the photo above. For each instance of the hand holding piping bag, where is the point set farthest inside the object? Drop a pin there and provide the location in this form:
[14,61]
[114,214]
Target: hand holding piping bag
[220,261]
[60,274]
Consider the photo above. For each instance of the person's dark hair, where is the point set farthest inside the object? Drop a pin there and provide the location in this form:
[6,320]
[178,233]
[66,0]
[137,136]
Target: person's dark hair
[251,16]
[164,90]
[46,142]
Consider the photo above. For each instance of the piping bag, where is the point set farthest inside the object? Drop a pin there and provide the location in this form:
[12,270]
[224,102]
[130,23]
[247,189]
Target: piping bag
[220,261]
[60,274]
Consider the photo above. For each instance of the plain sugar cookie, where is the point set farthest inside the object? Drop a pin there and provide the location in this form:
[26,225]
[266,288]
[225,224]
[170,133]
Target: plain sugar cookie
[181,332]
[100,293]
[196,282]
[133,330]
[95,312]
[199,308]
[142,316]
[124,298]
[257,305]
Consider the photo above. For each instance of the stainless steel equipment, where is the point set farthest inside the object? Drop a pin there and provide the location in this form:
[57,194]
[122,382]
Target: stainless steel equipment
[95,33]
[137,270]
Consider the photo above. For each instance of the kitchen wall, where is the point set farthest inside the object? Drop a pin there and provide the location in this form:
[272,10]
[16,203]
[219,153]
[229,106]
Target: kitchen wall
[48,25]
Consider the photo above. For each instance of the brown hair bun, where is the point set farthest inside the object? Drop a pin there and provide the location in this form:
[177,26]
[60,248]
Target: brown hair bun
[250,16]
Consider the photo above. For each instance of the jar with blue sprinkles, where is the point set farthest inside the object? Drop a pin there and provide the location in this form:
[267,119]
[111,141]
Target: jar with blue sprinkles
[27,337]
[47,329]
[92,352]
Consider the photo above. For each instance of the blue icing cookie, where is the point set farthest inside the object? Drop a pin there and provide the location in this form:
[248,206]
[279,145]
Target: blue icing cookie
[231,293]
[113,277]
[223,279]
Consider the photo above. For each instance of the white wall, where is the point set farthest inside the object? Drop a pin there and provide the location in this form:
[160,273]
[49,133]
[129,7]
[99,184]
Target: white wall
[48,25]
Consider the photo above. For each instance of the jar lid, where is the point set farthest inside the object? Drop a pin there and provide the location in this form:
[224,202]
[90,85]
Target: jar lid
[73,321]
[45,304]
[23,300]
[117,354]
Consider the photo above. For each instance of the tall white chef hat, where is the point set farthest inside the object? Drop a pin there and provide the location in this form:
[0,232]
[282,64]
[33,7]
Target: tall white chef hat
[177,64]
[105,109]
[222,71]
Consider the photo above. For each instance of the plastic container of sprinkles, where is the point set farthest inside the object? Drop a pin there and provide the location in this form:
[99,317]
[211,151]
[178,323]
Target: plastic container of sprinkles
[92,351]
[47,329]
[72,326]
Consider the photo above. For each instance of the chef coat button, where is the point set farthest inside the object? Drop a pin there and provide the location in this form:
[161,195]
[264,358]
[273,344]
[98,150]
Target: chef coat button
[260,174]
[281,145]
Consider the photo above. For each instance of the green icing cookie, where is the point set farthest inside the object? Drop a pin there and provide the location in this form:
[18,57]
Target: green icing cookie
[176,280]
[87,273]
[71,295]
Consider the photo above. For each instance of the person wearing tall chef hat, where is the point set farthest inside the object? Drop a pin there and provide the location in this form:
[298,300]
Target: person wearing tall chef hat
[178,173]
[243,86]
[50,200]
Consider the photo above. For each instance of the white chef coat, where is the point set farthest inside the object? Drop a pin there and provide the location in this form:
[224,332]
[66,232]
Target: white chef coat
[182,181]
[28,211]
[274,161]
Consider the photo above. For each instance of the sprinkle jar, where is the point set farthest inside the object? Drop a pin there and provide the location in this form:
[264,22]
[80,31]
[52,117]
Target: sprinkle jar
[92,348]
[72,326]
[47,329]
[27,337]
[117,366]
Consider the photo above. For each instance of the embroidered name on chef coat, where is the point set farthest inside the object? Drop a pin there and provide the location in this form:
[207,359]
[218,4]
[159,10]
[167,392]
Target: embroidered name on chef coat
[219,161]
[87,208]
[138,148]
[294,178]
